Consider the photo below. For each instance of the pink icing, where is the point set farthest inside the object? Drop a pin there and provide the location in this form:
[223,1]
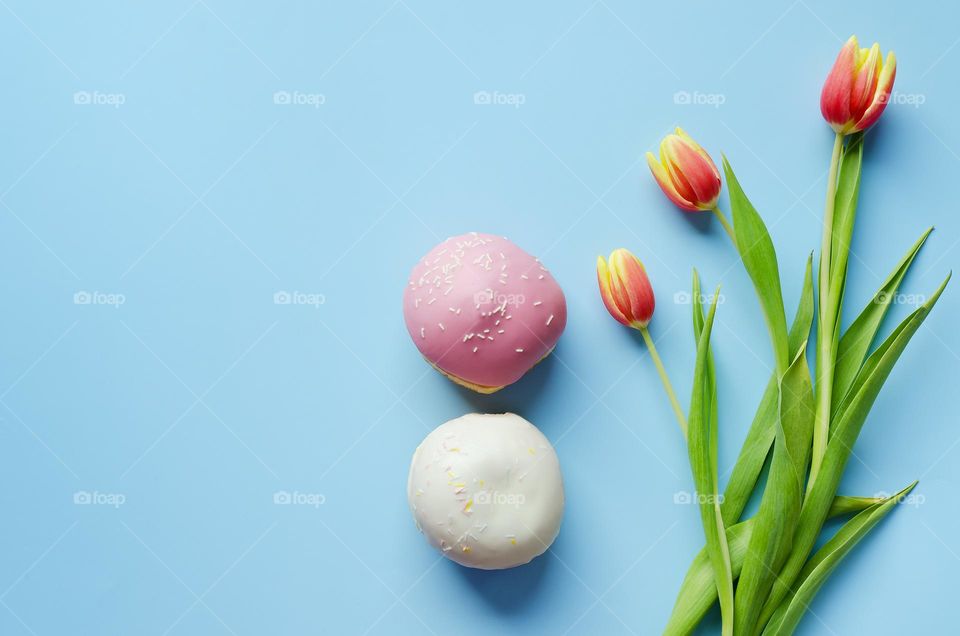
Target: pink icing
[480,308]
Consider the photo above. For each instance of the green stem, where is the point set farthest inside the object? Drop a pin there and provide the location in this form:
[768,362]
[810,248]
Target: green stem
[726,224]
[677,410]
[826,324]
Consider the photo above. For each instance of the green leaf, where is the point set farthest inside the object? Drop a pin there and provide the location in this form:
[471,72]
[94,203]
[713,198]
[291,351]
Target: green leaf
[859,336]
[760,437]
[851,415]
[844,215]
[760,260]
[782,495]
[824,562]
[702,446]
[694,598]
[699,582]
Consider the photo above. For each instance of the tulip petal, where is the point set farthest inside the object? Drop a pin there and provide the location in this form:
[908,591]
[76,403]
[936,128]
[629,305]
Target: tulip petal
[835,96]
[603,278]
[865,81]
[703,153]
[666,184]
[700,173]
[888,73]
[670,157]
[633,278]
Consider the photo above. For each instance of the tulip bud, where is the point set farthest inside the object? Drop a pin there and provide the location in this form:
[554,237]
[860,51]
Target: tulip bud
[625,289]
[686,173]
[858,87]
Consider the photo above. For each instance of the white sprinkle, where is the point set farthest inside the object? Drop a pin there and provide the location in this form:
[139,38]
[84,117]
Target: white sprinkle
[475,349]
[499,330]
[434,299]
[520,350]
[422,333]
[550,319]
[508,317]
[458,311]
[524,277]
[448,290]
[452,310]
[540,277]
[442,328]
[416,303]
[538,303]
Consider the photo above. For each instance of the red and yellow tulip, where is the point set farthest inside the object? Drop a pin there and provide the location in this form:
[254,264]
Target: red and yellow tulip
[858,87]
[686,173]
[625,288]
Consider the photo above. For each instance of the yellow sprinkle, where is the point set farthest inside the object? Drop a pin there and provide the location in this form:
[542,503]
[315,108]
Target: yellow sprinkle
[513,541]
[481,483]
[468,506]
[466,548]
[454,450]
[531,451]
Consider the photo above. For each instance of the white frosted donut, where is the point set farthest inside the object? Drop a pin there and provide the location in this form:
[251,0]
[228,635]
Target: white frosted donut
[486,490]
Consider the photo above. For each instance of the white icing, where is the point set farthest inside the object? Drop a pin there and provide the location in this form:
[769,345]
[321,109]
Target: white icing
[486,490]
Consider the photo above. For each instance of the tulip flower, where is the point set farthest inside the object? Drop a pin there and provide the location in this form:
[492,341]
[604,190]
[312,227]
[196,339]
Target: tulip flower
[688,176]
[625,289]
[858,87]
[853,98]
[686,173]
[628,296]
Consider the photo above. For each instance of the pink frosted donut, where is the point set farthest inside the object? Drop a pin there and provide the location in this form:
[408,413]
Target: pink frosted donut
[482,311]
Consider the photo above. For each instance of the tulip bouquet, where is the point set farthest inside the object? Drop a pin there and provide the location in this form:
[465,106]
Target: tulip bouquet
[763,570]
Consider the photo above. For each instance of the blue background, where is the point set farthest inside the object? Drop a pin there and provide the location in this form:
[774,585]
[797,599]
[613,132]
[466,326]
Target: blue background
[203,194]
